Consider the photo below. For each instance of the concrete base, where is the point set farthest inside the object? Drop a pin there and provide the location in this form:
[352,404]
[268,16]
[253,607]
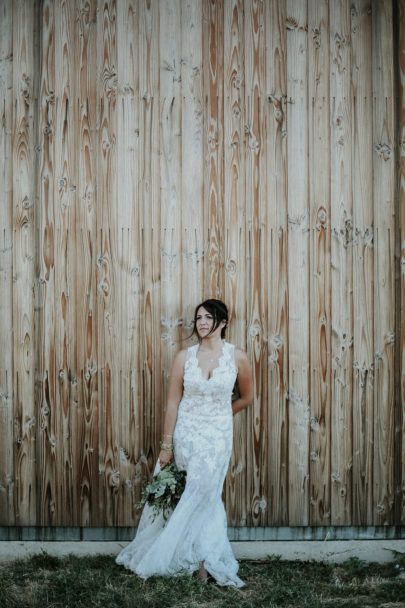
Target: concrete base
[335,551]
[327,551]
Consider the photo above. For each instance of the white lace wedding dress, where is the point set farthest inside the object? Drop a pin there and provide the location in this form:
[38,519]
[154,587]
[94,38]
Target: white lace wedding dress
[195,532]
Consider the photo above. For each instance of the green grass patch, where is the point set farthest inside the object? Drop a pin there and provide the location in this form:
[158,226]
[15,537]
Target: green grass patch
[45,581]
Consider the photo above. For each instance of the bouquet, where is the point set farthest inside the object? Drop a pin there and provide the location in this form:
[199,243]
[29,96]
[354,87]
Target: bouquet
[164,491]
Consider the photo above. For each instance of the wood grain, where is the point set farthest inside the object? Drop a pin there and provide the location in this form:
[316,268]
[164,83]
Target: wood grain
[48,440]
[155,153]
[128,103]
[298,263]
[213,204]
[235,235]
[148,396]
[341,263]
[108,296]
[363,264]
[64,196]
[256,216]
[319,279]
[192,161]
[384,263]
[85,417]
[171,212]
[277,252]
[400,515]
[7,403]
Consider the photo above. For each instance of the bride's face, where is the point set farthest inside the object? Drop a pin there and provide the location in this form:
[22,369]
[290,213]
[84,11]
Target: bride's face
[205,322]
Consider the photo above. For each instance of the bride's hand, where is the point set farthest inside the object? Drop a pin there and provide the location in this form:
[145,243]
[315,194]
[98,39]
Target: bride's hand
[165,457]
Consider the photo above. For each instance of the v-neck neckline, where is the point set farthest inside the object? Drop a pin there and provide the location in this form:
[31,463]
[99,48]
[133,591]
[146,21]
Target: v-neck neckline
[215,368]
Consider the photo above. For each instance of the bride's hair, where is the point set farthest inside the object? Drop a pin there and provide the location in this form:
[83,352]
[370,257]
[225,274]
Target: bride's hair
[219,312]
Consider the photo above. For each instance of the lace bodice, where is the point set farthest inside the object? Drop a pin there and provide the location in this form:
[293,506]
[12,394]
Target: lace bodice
[214,393]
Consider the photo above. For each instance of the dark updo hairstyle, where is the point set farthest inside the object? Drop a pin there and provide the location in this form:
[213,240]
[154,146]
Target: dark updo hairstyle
[219,313]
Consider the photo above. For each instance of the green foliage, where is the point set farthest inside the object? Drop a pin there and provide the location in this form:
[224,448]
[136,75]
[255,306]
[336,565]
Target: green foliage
[165,490]
[97,582]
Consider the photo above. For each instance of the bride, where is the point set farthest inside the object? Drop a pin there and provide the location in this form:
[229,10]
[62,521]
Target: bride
[198,433]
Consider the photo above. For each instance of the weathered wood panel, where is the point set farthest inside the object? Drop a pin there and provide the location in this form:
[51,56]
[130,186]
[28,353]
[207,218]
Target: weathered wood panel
[256,216]
[235,233]
[24,191]
[341,263]
[384,274]
[170,199]
[319,278]
[298,263]
[213,77]
[64,197]
[192,159]
[127,218]
[8,489]
[147,376]
[363,263]
[85,419]
[277,250]
[400,515]
[47,508]
[158,152]
[107,270]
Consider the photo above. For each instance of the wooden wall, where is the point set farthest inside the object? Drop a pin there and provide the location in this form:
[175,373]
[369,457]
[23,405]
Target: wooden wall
[155,153]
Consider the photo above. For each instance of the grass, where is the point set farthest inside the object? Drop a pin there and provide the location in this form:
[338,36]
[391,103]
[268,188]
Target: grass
[97,582]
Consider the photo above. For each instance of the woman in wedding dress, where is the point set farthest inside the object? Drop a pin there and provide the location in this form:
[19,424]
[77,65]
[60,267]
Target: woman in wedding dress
[198,433]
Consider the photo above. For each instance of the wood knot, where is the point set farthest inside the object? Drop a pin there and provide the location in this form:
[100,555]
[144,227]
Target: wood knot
[103,287]
[110,81]
[316,37]
[254,330]
[237,82]
[26,203]
[322,218]
[384,151]
[115,479]
[231,267]
[293,24]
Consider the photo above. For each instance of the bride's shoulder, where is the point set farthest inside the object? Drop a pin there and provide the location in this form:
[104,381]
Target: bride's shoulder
[181,354]
[179,361]
[240,355]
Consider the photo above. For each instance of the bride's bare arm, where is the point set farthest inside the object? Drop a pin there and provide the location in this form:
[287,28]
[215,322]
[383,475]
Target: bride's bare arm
[245,382]
[174,396]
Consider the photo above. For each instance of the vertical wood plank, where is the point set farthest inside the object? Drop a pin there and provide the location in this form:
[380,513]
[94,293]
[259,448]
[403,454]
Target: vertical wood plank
[64,196]
[127,206]
[363,263]
[400,516]
[298,262]
[171,184]
[341,262]
[213,52]
[235,235]
[148,385]
[256,216]
[7,487]
[277,279]
[24,178]
[85,424]
[384,262]
[47,373]
[319,260]
[108,298]
[192,167]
